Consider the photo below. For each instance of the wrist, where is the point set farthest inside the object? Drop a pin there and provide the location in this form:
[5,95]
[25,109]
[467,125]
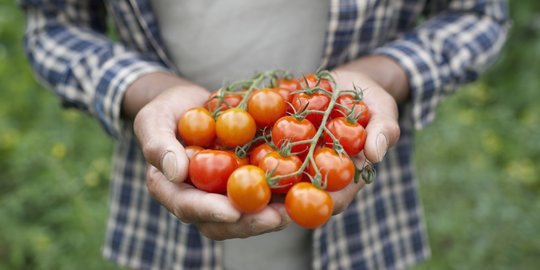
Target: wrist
[382,70]
[150,85]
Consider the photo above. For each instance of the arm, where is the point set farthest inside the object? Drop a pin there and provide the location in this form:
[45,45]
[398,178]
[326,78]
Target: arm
[66,44]
[453,47]
[425,65]
[67,47]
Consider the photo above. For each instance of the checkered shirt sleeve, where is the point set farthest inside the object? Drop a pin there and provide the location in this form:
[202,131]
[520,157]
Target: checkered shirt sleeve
[66,44]
[460,39]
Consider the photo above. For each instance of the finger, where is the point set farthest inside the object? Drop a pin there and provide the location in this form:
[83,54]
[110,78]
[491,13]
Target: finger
[383,128]
[342,198]
[188,203]
[267,220]
[155,128]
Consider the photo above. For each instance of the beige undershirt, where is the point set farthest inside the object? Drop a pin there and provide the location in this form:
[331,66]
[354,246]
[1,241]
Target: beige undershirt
[212,42]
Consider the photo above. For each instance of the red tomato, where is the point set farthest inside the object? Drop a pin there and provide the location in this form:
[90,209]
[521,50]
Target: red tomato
[197,127]
[280,165]
[235,127]
[259,152]
[336,171]
[312,80]
[317,101]
[210,169]
[290,129]
[348,101]
[190,151]
[289,84]
[308,206]
[241,161]
[247,189]
[285,94]
[266,106]
[352,136]
[228,101]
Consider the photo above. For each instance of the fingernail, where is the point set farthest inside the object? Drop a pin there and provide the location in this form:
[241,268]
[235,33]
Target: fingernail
[382,146]
[168,165]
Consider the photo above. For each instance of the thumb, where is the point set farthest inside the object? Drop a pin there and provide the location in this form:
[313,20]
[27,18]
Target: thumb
[157,138]
[383,128]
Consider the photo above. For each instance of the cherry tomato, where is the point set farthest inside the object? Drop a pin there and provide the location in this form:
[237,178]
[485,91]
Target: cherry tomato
[290,129]
[317,101]
[285,94]
[190,151]
[352,136]
[210,169]
[266,106]
[235,127]
[336,171]
[247,189]
[308,206]
[289,84]
[348,101]
[197,127]
[312,80]
[241,161]
[259,152]
[228,101]
[280,165]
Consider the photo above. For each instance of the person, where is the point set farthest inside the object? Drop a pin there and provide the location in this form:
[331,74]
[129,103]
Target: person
[407,55]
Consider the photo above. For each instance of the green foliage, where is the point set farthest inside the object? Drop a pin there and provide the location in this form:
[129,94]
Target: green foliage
[54,167]
[479,165]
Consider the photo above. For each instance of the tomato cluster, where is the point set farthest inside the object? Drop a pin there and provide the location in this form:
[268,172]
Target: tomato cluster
[277,135]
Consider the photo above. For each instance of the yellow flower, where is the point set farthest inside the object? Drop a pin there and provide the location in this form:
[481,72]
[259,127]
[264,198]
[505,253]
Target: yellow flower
[58,150]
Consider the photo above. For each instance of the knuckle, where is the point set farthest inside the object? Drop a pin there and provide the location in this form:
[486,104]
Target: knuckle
[152,151]
[394,128]
[151,182]
[208,231]
[179,213]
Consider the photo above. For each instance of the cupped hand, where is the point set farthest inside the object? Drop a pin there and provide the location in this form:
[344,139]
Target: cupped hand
[382,130]
[155,128]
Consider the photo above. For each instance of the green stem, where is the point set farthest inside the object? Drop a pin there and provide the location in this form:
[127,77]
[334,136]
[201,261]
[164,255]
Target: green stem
[254,83]
[313,143]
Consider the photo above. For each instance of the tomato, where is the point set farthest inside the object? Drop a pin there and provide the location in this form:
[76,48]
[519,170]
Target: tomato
[247,189]
[197,127]
[336,171]
[235,127]
[308,206]
[352,136]
[192,150]
[290,129]
[259,152]
[229,101]
[266,106]
[241,161]
[348,101]
[280,165]
[285,94]
[210,169]
[317,101]
[289,84]
[312,80]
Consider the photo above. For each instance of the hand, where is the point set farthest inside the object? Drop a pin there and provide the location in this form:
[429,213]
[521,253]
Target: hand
[383,128]
[155,128]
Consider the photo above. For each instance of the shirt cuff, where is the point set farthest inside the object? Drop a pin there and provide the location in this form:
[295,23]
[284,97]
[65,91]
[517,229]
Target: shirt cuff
[116,76]
[425,81]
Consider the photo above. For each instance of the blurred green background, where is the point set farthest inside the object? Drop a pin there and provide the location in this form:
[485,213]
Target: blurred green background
[479,165]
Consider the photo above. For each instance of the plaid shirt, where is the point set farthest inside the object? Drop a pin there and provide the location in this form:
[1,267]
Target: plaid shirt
[440,44]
